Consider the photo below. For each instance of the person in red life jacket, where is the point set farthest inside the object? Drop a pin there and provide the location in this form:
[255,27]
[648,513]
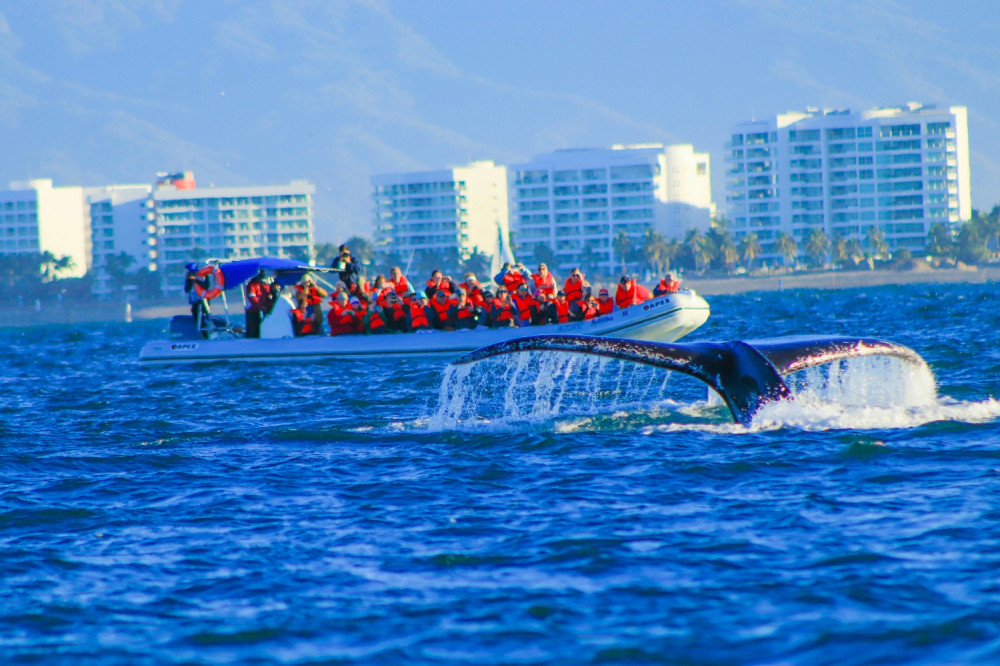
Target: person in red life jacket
[527,307]
[511,277]
[586,308]
[604,303]
[544,281]
[577,288]
[473,290]
[558,309]
[420,314]
[395,312]
[464,314]
[302,322]
[260,300]
[503,312]
[668,285]
[439,282]
[374,321]
[314,299]
[379,290]
[342,318]
[630,293]
[400,284]
[441,309]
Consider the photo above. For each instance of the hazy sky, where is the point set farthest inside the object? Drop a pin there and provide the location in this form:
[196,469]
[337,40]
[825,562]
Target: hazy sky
[266,91]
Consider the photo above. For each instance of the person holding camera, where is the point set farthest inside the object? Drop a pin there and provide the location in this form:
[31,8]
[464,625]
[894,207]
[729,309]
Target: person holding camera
[348,268]
[630,293]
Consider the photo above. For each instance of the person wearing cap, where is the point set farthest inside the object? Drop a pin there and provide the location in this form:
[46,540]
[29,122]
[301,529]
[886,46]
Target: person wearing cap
[527,307]
[630,293]
[199,306]
[544,281]
[502,311]
[668,285]
[348,268]
[420,314]
[604,303]
[576,286]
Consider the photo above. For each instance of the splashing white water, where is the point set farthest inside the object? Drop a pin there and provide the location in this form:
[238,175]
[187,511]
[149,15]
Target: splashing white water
[564,392]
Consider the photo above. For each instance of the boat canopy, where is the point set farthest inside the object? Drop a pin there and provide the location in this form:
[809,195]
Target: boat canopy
[286,271]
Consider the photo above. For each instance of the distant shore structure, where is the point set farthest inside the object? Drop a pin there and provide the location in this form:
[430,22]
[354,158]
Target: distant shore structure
[572,204]
[450,213]
[155,228]
[901,169]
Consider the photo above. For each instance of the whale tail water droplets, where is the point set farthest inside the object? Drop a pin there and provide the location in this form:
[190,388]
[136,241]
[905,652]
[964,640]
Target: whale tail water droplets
[746,375]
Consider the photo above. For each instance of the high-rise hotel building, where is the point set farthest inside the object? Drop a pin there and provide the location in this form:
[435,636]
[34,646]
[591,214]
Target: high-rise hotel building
[190,223]
[900,168]
[36,217]
[575,202]
[462,209]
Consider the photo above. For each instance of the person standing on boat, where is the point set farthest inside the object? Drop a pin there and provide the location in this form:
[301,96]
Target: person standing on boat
[511,277]
[630,293]
[314,301]
[199,306]
[544,281]
[260,300]
[348,267]
[668,285]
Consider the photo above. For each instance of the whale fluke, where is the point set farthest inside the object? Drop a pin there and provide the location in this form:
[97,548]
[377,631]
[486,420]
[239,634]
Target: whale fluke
[746,375]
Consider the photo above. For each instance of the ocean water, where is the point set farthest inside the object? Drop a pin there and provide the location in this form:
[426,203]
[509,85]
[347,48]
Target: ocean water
[534,510]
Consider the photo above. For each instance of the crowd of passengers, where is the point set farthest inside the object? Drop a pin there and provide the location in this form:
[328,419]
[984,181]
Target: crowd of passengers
[517,297]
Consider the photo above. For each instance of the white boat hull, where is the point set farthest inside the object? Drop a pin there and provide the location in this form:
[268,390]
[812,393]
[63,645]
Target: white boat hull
[663,319]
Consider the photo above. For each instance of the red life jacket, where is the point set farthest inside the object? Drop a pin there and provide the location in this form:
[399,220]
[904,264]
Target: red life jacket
[257,293]
[562,310]
[402,287]
[375,321]
[666,287]
[502,311]
[512,280]
[587,310]
[312,294]
[397,312]
[546,285]
[443,285]
[418,317]
[465,311]
[524,306]
[574,290]
[634,295]
[342,319]
[302,323]
[441,310]
[605,307]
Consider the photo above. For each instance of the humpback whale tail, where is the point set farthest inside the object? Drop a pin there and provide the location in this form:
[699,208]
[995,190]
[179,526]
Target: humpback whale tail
[746,374]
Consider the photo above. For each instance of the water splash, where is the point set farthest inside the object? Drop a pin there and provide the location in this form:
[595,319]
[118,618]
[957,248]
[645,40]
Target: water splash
[563,392]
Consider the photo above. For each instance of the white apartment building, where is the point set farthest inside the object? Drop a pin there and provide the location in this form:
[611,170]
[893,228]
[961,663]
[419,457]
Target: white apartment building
[463,209]
[900,168]
[194,224]
[576,202]
[120,222]
[36,217]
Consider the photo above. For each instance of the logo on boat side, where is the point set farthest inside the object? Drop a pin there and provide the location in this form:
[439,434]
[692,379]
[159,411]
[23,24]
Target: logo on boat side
[186,346]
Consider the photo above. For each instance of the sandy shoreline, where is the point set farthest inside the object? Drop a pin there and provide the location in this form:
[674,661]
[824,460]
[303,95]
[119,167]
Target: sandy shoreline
[57,313]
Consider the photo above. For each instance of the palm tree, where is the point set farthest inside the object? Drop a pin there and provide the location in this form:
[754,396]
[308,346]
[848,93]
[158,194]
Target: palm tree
[654,250]
[786,247]
[939,240]
[750,249]
[542,253]
[875,238]
[838,250]
[853,250]
[696,249]
[817,245]
[623,248]
[478,263]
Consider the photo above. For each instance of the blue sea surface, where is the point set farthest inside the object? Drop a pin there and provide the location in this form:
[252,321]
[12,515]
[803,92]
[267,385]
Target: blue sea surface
[561,512]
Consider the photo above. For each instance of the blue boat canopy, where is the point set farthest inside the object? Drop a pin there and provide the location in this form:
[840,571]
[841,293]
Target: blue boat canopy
[286,271]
